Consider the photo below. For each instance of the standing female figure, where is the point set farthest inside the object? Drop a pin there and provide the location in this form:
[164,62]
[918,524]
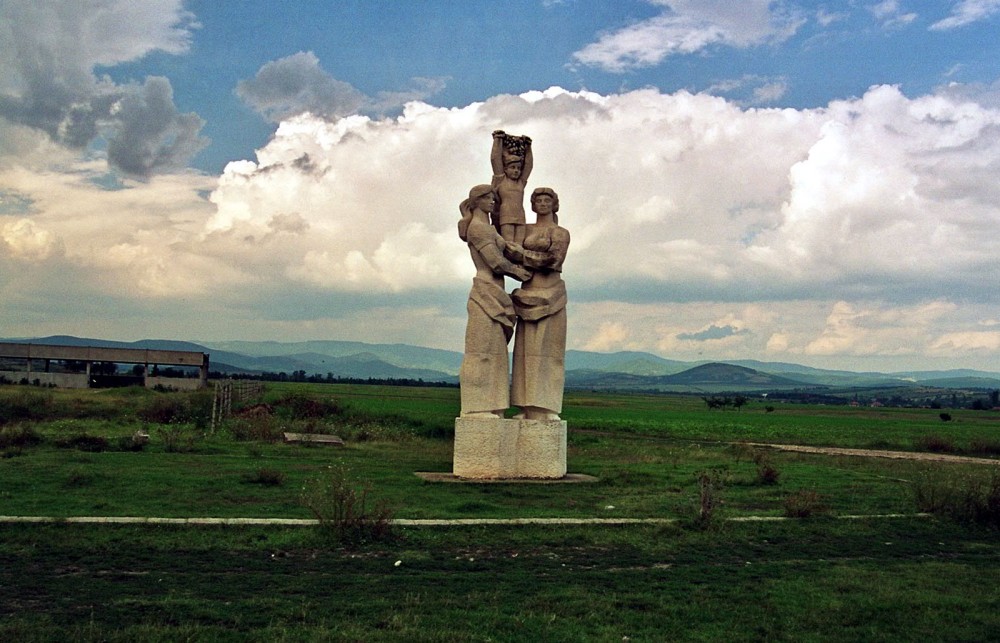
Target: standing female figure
[483,374]
[539,371]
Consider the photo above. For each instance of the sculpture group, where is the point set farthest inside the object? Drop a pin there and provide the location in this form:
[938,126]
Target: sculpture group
[502,244]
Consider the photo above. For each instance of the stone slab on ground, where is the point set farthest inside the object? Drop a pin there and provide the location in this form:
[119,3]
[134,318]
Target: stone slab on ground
[314,438]
[498,448]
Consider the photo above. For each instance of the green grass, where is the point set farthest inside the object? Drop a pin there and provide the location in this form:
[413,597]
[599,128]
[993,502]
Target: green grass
[887,580]
[432,411]
[637,478]
[820,578]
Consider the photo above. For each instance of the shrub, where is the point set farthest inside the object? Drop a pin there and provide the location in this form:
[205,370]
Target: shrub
[24,404]
[984,446]
[298,406]
[84,442]
[935,444]
[177,438]
[135,442]
[803,504]
[18,437]
[374,430]
[767,473]
[177,407]
[265,476]
[344,509]
[256,423]
[77,479]
[969,498]
[742,449]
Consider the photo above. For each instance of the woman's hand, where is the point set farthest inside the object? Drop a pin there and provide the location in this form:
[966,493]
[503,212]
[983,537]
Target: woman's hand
[514,251]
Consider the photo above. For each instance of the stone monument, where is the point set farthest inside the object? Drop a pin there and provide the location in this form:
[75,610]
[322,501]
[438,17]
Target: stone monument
[532,443]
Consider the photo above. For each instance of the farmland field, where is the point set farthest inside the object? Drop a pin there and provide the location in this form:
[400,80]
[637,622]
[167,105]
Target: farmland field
[703,573]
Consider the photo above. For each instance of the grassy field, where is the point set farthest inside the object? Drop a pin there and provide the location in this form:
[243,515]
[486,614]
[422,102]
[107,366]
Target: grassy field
[702,576]
[687,417]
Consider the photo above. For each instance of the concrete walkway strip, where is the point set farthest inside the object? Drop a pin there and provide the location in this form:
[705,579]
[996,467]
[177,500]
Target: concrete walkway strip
[403,522]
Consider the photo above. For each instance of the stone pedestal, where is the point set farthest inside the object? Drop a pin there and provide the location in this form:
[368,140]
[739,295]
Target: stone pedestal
[496,448]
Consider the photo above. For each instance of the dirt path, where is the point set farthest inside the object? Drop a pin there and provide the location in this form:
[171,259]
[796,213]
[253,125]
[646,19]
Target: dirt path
[877,453]
[863,453]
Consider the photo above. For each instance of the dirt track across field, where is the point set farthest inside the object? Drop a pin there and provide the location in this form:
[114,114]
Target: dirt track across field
[861,453]
[877,453]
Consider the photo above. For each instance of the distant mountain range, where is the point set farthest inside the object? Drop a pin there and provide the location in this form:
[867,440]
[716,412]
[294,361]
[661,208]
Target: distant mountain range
[621,371]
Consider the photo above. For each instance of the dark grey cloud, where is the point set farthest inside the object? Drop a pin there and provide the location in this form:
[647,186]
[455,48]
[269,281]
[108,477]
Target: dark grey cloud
[297,84]
[147,134]
[47,81]
[713,332]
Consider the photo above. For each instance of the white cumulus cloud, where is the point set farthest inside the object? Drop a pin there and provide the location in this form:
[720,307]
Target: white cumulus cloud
[688,26]
[849,232]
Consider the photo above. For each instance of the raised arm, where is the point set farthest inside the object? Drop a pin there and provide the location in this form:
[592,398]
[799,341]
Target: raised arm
[496,154]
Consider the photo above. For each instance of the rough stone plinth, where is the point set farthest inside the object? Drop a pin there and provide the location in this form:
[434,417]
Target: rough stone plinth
[495,448]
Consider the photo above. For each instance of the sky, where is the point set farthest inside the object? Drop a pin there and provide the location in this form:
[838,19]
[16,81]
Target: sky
[790,180]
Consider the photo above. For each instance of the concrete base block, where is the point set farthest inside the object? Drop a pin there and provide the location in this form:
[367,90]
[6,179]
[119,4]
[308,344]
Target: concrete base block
[498,449]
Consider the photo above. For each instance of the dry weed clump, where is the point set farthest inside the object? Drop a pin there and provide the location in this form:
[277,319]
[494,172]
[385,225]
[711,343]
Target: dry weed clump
[767,472]
[709,486]
[345,510]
